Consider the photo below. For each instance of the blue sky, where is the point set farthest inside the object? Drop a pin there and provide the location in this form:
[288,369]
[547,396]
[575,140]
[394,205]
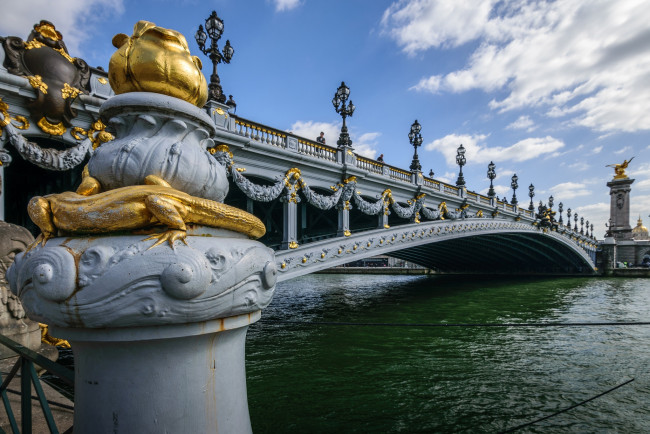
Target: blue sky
[551,90]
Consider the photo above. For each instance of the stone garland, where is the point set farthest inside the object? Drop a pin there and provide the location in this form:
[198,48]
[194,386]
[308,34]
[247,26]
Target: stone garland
[343,192]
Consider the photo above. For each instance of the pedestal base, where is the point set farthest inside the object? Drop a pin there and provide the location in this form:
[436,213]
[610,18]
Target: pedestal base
[186,378]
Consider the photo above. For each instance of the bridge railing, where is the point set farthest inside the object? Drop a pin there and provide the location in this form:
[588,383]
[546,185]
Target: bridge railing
[272,136]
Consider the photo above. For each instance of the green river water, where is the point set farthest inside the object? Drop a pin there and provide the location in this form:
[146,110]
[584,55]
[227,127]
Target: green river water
[305,378]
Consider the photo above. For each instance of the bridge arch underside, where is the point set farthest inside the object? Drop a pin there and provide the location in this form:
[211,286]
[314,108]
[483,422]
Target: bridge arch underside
[502,253]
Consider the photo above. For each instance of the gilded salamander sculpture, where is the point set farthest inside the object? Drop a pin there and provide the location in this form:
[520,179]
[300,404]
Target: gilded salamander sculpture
[89,211]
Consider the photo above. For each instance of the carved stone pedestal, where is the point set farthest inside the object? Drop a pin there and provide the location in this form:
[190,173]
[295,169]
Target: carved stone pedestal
[158,334]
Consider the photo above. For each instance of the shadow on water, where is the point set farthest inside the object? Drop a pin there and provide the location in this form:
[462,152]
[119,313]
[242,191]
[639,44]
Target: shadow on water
[324,378]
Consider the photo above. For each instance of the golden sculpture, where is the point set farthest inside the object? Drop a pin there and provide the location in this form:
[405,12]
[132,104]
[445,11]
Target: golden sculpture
[157,60]
[155,204]
[619,169]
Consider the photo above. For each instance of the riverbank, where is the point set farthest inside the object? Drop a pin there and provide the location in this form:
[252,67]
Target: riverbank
[631,272]
[377,270]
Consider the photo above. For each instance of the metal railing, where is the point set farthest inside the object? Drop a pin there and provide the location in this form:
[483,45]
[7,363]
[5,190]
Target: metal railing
[28,377]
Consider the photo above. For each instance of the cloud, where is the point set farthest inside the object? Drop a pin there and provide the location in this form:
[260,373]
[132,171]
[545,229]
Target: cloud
[285,5]
[597,150]
[596,213]
[364,144]
[579,166]
[478,152]
[623,150]
[586,60]
[75,19]
[522,123]
[569,190]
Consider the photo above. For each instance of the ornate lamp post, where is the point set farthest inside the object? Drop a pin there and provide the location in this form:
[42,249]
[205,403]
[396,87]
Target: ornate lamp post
[587,227]
[214,27]
[550,202]
[531,194]
[491,174]
[575,220]
[592,230]
[339,100]
[559,208]
[460,160]
[415,138]
[568,218]
[515,186]
[582,222]
[431,173]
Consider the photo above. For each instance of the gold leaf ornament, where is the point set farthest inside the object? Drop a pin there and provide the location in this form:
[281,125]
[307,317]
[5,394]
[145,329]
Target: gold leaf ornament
[155,59]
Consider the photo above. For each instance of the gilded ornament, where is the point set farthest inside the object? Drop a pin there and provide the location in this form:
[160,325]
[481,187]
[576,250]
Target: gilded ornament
[62,52]
[102,80]
[218,111]
[47,338]
[347,233]
[155,59]
[304,260]
[69,91]
[37,83]
[48,30]
[155,204]
[293,245]
[53,129]
[619,169]
[322,255]
[33,44]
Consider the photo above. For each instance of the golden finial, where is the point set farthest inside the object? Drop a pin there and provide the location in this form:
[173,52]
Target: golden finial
[155,59]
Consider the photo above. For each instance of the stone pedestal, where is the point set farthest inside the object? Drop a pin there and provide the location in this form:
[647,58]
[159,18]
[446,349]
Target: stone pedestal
[619,190]
[158,334]
[187,378]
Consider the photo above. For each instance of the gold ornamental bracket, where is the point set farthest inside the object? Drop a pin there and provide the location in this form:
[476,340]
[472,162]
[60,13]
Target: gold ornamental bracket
[57,77]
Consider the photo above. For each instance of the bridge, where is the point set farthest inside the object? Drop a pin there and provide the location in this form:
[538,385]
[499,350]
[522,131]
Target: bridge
[322,206]
[140,318]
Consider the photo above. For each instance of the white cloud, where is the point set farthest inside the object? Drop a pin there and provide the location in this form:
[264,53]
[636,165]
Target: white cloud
[623,150]
[524,122]
[478,152]
[75,19]
[596,213]
[597,150]
[569,190]
[587,60]
[365,144]
[285,5]
[579,166]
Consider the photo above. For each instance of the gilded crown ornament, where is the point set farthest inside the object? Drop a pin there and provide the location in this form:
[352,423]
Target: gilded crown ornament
[155,59]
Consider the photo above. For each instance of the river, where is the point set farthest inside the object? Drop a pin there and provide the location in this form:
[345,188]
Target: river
[307,378]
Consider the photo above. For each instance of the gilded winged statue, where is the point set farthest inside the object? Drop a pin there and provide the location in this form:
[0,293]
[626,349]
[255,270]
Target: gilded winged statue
[620,168]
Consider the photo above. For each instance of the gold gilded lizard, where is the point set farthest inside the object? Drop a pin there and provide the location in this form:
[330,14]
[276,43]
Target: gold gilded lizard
[89,211]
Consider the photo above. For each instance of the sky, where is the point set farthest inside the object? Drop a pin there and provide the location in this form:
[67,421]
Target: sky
[553,91]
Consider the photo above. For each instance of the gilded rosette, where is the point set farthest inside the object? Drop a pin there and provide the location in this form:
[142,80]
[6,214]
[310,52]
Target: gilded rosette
[156,60]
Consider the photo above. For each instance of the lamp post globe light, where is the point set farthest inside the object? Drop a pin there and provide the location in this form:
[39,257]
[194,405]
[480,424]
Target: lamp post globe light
[460,160]
[339,100]
[550,202]
[568,217]
[531,194]
[515,186]
[582,222]
[592,230]
[587,227]
[560,207]
[415,138]
[575,220]
[214,29]
[491,174]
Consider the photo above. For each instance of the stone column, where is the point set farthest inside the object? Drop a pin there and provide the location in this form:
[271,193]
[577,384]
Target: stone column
[343,219]
[619,210]
[157,330]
